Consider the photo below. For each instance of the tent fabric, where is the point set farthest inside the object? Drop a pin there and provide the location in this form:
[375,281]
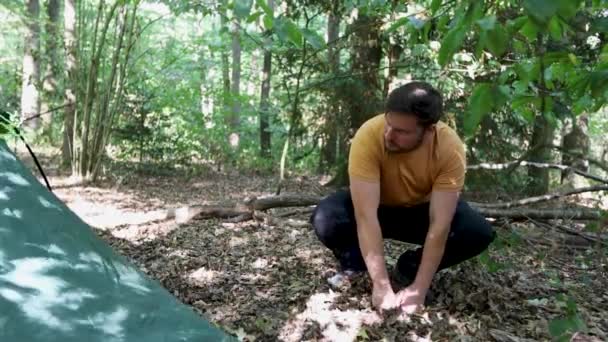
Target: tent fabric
[60,282]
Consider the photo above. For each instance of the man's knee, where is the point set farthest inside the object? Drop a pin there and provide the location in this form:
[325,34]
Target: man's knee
[478,232]
[323,223]
[485,233]
[330,217]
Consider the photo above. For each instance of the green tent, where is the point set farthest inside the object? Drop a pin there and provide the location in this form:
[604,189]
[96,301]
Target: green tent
[60,282]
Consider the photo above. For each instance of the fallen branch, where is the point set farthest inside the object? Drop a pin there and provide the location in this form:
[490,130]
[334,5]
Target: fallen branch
[538,199]
[307,211]
[238,212]
[489,166]
[571,232]
[600,164]
[282,201]
[541,214]
[253,207]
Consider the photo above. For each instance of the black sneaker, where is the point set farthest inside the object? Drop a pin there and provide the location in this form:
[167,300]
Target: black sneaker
[401,281]
[350,260]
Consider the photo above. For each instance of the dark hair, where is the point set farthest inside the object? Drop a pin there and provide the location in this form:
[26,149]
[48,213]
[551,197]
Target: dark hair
[416,98]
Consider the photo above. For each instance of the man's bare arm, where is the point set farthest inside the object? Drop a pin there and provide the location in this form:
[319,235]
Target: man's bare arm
[366,198]
[442,208]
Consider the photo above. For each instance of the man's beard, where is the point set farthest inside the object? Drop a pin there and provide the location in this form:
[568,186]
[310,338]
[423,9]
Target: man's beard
[392,148]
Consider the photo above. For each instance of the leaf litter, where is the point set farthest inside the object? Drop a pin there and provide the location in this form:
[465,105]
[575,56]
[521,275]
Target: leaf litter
[266,282]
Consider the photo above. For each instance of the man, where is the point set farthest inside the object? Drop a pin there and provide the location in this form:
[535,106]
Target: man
[406,171]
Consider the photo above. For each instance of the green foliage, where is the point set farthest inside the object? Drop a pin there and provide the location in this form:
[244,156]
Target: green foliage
[242,8]
[451,43]
[493,62]
[570,322]
[6,124]
[481,104]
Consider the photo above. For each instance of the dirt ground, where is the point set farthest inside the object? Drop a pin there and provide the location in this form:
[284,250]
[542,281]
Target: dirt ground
[268,282]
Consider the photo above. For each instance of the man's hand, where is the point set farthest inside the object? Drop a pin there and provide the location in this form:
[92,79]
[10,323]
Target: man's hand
[383,298]
[411,299]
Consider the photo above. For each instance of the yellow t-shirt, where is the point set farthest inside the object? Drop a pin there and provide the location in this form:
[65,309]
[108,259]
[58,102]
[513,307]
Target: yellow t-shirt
[408,178]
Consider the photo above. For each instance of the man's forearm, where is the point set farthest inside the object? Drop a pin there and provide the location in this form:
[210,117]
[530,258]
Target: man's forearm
[372,249]
[434,247]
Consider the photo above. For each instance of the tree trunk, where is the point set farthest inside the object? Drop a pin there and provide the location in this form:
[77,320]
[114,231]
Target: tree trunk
[575,149]
[393,58]
[542,136]
[328,150]
[103,115]
[30,96]
[265,136]
[93,96]
[367,54]
[225,80]
[206,86]
[363,95]
[52,70]
[71,69]
[234,116]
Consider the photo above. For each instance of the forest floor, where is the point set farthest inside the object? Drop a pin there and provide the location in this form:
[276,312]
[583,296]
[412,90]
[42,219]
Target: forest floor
[268,282]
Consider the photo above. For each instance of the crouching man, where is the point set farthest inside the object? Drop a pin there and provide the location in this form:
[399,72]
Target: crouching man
[406,171]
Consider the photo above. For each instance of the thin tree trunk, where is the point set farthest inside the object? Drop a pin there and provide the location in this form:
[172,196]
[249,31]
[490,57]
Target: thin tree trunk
[71,68]
[393,58]
[52,71]
[265,135]
[116,101]
[366,56]
[234,116]
[103,115]
[542,136]
[225,62]
[206,86]
[82,134]
[30,95]
[91,95]
[575,146]
[328,150]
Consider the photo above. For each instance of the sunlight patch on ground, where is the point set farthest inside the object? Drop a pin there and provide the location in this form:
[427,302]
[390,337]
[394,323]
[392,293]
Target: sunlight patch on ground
[108,216]
[237,241]
[260,263]
[335,324]
[203,277]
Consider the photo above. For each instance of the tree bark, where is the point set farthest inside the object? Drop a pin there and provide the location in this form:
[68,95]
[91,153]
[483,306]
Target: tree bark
[52,70]
[71,69]
[331,128]
[362,96]
[394,53]
[30,95]
[541,136]
[575,146]
[265,135]
[366,57]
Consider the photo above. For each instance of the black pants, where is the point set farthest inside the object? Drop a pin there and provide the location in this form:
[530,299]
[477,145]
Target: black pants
[334,222]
